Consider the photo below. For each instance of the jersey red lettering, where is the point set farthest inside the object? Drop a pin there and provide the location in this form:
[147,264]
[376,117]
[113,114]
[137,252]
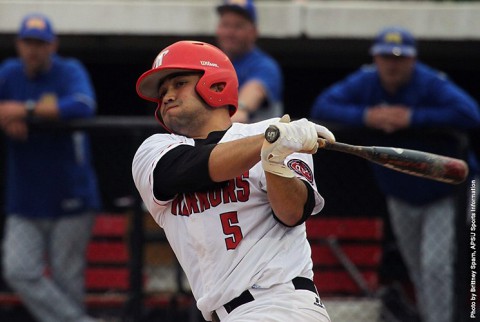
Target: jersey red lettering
[235,190]
[229,192]
[229,219]
[175,206]
[243,193]
[203,202]
[215,197]
[184,211]
[191,203]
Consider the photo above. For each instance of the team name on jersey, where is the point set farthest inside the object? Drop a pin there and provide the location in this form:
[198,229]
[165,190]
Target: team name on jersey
[235,190]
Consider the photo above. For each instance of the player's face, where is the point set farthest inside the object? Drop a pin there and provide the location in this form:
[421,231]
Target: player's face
[35,54]
[394,71]
[181,109]
[236,35]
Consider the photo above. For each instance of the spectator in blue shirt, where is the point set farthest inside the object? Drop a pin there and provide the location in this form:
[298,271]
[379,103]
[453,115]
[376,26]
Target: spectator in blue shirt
[397,92]
[51,187]
[259,75]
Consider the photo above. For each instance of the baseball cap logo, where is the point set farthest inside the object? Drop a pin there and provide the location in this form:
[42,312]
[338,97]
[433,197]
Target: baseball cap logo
[241,3]
[36,23]
[393,37]
[159,59]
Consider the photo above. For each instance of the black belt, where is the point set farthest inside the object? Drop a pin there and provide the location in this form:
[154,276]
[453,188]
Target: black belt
[300,283]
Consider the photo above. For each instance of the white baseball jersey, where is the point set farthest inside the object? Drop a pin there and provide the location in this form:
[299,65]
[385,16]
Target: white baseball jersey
[227,240]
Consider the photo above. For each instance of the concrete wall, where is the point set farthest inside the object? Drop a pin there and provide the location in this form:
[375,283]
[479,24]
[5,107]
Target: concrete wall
[277,19]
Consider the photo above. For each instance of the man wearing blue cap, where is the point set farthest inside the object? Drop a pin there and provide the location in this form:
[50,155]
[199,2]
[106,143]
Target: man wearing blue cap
[259,75]
[51,187]
[395,93]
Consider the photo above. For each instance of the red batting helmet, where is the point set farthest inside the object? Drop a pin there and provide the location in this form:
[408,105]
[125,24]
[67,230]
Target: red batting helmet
[193,56]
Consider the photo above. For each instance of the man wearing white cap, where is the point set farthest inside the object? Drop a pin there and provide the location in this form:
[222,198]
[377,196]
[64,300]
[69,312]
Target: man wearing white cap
[259,74]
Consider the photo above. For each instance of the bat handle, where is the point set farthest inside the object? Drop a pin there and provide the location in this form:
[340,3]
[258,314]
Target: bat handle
[323,143]
[272,133]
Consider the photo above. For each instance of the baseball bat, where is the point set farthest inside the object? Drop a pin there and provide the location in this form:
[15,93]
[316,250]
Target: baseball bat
[419,163]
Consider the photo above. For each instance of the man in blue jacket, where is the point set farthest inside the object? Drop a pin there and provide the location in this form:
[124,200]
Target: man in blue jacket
[51,187]
[259,75]
[397,92]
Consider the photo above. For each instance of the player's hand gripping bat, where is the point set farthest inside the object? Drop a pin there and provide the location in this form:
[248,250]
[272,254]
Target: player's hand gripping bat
[418,163]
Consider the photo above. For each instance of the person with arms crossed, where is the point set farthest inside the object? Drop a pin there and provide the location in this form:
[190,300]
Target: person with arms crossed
[260,76]
[232,205]
[51,187]
[396,93]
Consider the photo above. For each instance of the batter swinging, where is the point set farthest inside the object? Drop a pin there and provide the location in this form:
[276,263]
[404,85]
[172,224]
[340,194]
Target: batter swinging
[232,205]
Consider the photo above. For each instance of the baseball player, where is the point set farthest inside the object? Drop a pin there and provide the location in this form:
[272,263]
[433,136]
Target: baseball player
[232,205]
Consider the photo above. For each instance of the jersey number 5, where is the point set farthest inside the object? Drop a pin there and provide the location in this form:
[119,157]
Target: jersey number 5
[229,221]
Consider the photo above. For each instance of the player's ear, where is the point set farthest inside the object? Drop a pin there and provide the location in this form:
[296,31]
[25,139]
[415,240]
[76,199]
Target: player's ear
[217,87]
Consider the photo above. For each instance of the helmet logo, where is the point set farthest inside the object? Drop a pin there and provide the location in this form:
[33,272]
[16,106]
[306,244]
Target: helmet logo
[159,59]
[207,63]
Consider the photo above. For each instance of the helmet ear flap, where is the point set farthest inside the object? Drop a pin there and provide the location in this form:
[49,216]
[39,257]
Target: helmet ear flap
[228,95]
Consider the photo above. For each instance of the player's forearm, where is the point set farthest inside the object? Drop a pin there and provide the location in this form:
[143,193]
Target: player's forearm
[231,159]
[287,197]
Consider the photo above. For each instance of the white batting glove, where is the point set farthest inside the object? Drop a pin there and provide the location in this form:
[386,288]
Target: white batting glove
[297,136]
[323,132]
